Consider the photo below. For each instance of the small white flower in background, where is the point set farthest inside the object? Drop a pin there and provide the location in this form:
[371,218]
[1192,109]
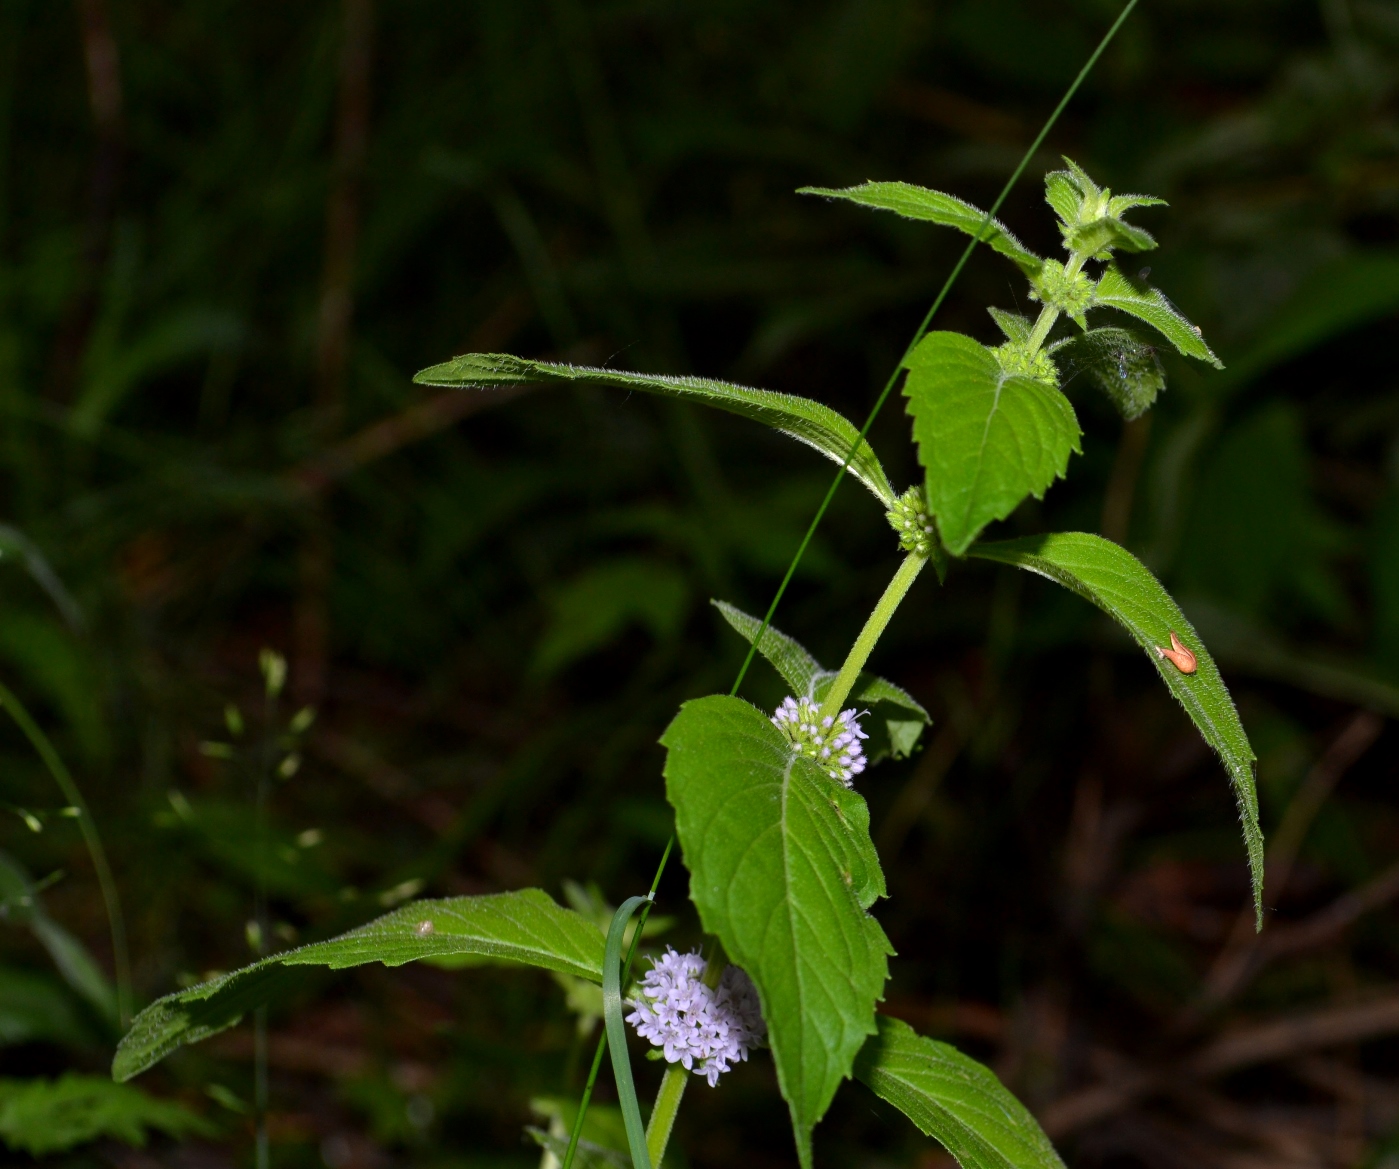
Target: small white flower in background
[833,741]
[702,1029]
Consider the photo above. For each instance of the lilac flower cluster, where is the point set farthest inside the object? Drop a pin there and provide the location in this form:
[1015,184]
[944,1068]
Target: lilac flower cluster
[833,741]
[701,1028]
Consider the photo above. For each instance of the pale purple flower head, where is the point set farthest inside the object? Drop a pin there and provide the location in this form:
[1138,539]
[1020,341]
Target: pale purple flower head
[832,741]
[704,1030]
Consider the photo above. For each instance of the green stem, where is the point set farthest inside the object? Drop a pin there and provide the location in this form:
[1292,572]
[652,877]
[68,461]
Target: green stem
[869,636]
[1049,314]
[116,921]
[663,1114]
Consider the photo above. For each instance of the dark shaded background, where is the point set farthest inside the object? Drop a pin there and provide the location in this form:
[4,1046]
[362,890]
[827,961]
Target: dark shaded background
[230,232]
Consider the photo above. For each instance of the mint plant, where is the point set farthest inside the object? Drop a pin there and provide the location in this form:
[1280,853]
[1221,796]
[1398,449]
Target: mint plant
[769,816]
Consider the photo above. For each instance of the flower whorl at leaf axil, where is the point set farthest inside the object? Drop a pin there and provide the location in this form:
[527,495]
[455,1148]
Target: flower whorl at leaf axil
[701,1028]
[833,742]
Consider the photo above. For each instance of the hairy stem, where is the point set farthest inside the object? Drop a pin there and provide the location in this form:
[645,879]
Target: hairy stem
[1049,314]
[116,921]
[864,644]
[663,1114]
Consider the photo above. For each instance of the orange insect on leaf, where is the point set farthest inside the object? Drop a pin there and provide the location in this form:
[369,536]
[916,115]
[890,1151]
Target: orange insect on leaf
[1178,655]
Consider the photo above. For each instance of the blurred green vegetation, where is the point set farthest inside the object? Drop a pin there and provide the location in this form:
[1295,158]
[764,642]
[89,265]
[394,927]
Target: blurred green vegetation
[230,233]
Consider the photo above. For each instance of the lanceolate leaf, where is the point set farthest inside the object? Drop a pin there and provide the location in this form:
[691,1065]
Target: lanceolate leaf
[953,1099]
[1114,290]
[935,207]
[807,421]
[525,927]
[782,869]
[985,439]
[896,720]
[1119,584]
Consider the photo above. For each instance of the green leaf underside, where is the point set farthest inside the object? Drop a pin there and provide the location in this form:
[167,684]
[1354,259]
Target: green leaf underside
[913,202]
[953,1099]
[1114,290]
[809,422]
[898,718]
[524,927]
[782,870]
[1118,583]
[586,1155]
[42,1116]
[1121,364]
[985,440]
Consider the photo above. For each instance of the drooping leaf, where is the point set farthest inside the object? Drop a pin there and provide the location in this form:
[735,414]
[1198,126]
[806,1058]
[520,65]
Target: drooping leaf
[1114,290]
[810,422]
[1121,364]
[896,719]
[41,1116]
[587,1155]
[986,440]
[1118,583]
[524,927]
[953,1099]
[782,870]
[914,202]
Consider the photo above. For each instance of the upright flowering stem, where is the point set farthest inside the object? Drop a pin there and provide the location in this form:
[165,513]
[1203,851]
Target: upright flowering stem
[870,634]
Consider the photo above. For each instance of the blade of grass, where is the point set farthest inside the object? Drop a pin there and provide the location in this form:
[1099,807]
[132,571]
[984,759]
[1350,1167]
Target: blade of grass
[116,921]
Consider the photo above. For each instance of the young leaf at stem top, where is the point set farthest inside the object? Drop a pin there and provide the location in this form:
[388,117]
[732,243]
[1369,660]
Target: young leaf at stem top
[1118,583]
[809,422]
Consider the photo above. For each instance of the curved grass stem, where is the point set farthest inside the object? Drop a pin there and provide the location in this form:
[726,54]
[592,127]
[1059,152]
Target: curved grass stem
[116,921]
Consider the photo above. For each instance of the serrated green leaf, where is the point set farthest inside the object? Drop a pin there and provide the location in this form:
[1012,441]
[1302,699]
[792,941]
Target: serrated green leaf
[1114,290]
[1121,364]
[1118,583]
[1062,194]
[809,422]
[896,718]
[524,927]
[49,1116]
[782,870]
[953,1099]
[986,440]
[914,202]
[786,655]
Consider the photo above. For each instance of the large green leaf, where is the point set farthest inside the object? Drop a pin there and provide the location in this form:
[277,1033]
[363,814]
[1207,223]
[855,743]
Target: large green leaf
[524,927]
[896,718]
[1118,583]
[782,869]
[936,207]
[953,1099]
[985,439]
[1114,290]
[807,421]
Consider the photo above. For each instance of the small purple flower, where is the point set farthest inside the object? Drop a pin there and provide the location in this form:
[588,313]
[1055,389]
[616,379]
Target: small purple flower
[832,741]
[701,1029]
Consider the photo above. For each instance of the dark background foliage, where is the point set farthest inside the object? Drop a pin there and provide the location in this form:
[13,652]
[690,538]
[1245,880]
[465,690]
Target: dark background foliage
[229,233]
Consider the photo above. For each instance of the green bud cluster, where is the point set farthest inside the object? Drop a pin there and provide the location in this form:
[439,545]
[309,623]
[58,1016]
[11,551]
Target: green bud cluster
[1069,292]
[1016,360]
[913,522]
